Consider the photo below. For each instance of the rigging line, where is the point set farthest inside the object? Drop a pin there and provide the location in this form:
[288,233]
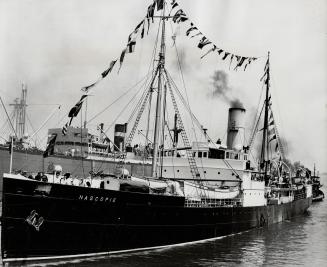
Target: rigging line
[255,129]
[191,160]
[7,121]
[139,102]
[46,120]
[117,99]
[184,85]
[188,102]
[278,109]
[121,112]
[231,167]
[188,109]
[4,127]
[58,123]
[250,152]
[256,118]
[81,146]
[8,117]
[148,121]
[171,144]
[147,75]
[43,104]
[36,136]
[151,66]
[201,160]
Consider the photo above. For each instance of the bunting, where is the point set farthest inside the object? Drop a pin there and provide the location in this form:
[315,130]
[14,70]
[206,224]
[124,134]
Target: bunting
[203,42]
[209,51]
[75,110]
[130,48]
[225,55]
[86,88]
[193,28]
[174,4]
[274,137]
[65,129]
[50,147]
[180,16]
[103,75]
[160,4]
[150,13]
[111,66]
[121,59]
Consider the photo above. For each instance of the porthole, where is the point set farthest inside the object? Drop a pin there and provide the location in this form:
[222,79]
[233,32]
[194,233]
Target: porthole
[177,170]
[205,171]
[218,172]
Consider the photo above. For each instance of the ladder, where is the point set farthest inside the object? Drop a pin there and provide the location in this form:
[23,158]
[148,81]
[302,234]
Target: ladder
[138,117]
[194,168]
[120,164]
[122,156]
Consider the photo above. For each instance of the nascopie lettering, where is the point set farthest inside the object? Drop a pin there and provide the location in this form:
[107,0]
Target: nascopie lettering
[97,198]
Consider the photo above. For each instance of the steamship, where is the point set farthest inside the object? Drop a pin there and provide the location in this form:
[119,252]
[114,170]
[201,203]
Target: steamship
[157,194]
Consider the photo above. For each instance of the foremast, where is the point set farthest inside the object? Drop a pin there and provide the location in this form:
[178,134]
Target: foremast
[161,66]
[264,159]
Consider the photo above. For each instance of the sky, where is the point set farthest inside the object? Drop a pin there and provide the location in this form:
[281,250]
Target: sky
[56,47]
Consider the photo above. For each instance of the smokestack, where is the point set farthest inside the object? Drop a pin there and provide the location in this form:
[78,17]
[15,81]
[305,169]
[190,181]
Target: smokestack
[235,129]
[101,125]
[119,138]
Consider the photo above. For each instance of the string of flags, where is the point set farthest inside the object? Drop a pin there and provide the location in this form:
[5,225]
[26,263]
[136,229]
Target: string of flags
[272,128]
[51,145]
[179,16]
[130,48]
[237,61]
[131,42]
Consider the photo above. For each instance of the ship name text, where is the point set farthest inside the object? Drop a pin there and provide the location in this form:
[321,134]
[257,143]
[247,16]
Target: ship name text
[97,198]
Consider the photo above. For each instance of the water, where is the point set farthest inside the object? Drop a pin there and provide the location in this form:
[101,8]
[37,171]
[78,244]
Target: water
[299,242]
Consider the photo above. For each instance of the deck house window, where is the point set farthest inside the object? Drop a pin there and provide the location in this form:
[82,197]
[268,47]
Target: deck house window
[199,154]
[204,154]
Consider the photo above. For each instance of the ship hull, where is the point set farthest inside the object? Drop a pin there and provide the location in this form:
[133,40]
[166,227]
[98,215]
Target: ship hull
[41,220]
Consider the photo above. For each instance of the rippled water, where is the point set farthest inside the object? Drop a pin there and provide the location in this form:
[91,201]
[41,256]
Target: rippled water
[299,242]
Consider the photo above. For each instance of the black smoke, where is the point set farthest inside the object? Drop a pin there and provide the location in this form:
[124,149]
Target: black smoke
[223,90]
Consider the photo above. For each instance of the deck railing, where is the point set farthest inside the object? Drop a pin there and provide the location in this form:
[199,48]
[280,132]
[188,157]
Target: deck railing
[211,203]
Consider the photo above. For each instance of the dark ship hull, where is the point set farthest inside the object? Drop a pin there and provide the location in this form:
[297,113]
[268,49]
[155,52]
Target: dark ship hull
[45,221]
[318,195]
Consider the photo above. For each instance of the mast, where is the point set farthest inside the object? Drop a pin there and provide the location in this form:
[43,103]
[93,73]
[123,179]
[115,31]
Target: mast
[265,143]
[85,116]
[161,66]
[11,151]
[20,113]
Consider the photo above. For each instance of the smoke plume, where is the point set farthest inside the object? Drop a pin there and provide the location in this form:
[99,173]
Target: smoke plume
[223,90]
